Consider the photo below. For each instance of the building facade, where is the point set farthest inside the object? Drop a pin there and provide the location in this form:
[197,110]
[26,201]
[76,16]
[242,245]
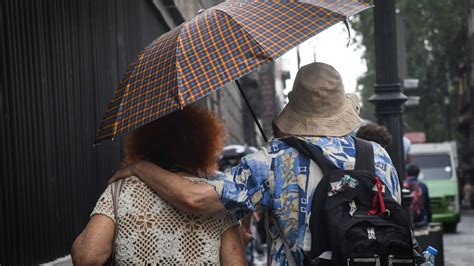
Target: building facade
[60,63]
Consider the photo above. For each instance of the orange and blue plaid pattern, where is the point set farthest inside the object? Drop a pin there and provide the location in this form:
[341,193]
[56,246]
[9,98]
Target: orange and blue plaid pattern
[218,46]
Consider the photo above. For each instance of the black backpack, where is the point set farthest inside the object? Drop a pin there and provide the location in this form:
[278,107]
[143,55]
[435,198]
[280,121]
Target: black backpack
[354,220]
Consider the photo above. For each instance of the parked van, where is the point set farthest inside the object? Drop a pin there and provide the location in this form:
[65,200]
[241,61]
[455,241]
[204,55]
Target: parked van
[438,163]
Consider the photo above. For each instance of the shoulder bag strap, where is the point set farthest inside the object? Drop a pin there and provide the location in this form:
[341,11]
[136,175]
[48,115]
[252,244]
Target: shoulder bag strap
[364,155]
[115,188]
[269,237]
[289,255]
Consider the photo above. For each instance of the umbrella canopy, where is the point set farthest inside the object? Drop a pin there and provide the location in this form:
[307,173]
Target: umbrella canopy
[219,45]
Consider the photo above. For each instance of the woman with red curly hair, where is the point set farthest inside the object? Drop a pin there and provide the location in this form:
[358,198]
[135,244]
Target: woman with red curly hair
[149,230]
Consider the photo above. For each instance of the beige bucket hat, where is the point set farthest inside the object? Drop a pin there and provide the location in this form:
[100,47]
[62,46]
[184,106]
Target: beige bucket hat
[318,104]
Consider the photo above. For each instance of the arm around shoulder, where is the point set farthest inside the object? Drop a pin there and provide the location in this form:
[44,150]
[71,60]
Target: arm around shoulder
[180,192]
[200,199]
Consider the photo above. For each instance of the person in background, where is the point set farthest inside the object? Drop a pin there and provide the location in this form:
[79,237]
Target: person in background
[150,230]
[467,195]
[375,133]
[231,155]
[421,205]
[406,149]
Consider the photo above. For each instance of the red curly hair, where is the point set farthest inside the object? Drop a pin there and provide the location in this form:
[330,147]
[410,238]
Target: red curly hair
[189,139]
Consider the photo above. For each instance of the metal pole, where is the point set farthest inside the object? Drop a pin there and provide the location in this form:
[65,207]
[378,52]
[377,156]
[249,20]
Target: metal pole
[251,111]
[298,58]
[388,97]
[470,44]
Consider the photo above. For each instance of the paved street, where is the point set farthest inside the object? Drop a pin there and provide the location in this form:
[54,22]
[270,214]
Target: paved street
[459,247]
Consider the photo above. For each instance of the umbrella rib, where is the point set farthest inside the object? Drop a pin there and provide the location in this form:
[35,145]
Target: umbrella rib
[178,67]
[260,128]
[250,35]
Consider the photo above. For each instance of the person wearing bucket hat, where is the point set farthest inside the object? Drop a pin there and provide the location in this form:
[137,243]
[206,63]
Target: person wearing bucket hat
[318,105]
[277,177]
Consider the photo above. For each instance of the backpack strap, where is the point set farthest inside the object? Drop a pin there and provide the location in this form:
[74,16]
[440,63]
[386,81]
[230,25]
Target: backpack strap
[364,155]
[313,152]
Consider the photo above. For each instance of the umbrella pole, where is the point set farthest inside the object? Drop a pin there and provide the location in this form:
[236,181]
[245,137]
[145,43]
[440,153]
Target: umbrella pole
[251,111]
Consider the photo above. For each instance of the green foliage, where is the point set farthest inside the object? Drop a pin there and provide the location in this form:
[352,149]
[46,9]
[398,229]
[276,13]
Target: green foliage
[435,35]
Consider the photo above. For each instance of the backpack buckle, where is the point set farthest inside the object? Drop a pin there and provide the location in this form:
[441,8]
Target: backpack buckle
[386,213]
[392,260]
[375,259]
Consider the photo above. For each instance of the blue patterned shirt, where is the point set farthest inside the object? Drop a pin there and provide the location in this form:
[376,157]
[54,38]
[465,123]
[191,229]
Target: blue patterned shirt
[279,178]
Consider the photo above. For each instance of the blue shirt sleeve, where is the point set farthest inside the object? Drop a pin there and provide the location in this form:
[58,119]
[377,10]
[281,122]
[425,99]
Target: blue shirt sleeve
[247,185]
[386,171]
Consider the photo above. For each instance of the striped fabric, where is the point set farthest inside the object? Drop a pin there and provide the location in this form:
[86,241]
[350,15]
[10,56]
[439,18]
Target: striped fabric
[219,45]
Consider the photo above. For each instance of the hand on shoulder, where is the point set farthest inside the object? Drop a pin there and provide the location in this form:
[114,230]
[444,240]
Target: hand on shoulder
[126,171]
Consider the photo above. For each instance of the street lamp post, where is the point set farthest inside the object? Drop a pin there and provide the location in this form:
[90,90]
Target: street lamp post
[388,97]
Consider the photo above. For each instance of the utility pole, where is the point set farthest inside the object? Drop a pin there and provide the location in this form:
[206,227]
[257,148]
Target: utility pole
[388,97]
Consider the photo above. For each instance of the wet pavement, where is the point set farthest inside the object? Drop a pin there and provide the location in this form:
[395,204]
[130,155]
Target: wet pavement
[459,247]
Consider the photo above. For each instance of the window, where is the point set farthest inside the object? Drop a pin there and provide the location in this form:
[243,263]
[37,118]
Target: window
[433,166]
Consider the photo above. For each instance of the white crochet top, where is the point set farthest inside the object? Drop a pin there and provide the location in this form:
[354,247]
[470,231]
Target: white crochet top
[151,231]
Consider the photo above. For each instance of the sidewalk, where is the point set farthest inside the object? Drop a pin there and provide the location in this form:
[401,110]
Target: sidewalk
[459,247]
[65,261]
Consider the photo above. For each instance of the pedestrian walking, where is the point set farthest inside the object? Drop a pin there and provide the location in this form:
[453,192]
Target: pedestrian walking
[278,177]
[421,205]
[132,225]
[467,196]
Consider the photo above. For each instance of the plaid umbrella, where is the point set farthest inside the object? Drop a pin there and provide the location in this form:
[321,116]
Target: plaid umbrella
[219,45]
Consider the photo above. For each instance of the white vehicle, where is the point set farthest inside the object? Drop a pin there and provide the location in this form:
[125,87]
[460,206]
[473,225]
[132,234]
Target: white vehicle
[438,163]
